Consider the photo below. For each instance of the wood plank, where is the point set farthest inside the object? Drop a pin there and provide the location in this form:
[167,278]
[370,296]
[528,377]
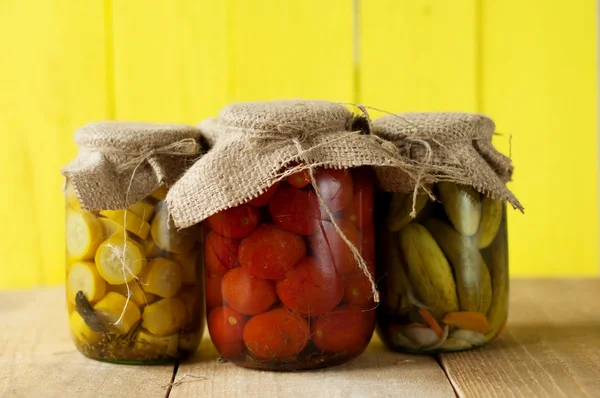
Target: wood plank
[52,76]
[418,55]
[551,346]
[37,357]
[169,60]
[539,69]
[377,373]
[290,49]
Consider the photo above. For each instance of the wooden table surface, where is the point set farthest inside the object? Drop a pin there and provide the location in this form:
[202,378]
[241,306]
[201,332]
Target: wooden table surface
[551,347]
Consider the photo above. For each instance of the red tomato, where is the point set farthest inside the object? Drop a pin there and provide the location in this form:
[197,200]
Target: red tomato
[236,222]
[264,198]
[360,212]
[295,210]
[346,329]
[226,329]
[220,253]
[311,288]
[329,247]
[299,179]
[335,187]
[279,333]
[270,252]
[248,294]
[357,290]
[367,247]
[214,296]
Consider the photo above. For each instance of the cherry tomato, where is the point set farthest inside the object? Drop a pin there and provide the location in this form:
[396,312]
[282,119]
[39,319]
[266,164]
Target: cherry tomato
[335,187]
[295,210]
[360,212]
[311,288]
[248,294]
[214,295]
[358,291]
[330,249]
[226,329]
[236,222]
[346,329]
[220,253]
[264,198]
[270,252]
[279,333]
[299,179]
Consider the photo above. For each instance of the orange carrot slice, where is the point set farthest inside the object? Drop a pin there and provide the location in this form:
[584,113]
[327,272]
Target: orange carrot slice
[430,320]
[467,320]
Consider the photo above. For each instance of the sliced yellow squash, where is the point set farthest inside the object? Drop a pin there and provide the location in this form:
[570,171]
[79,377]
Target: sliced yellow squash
[157,345]
[189,268]
[135,224]
[143,209]
[136,293]
[150,248]
[81,331]
[164,317]
[110,227]
[118,314]
[119,260]
[165,233]
[161,277]
[83,276]
[84,234]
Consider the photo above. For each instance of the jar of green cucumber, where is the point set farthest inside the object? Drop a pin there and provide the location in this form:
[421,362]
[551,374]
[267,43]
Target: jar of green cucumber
[442,235]
[134,282]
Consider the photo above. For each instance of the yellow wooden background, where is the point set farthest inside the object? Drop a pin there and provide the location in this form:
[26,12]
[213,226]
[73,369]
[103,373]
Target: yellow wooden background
[531,65]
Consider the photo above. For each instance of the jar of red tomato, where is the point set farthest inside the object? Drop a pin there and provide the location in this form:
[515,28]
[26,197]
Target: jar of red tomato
[289,235]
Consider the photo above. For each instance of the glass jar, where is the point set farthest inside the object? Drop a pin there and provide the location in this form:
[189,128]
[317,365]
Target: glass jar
[134,283]
[444,273]
[284,291]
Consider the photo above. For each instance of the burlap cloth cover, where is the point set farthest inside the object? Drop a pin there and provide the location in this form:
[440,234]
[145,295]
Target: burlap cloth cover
[253,142]
[121,163]
[454,147]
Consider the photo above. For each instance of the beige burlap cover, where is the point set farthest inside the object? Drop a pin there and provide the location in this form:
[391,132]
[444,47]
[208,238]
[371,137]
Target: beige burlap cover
[454,147]
[255,141]
[120,163]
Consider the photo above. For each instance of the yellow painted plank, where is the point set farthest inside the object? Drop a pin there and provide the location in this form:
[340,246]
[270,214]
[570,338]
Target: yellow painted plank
[539,84]
[418,55]
[290,49]
[52,78]
[170,60]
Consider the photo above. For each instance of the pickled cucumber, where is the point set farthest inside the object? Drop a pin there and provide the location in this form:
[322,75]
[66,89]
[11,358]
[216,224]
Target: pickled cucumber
[462,205]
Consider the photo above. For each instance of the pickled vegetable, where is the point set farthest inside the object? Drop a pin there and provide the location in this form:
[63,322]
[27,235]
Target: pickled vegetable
[285,291]
[161,277]
[129,299]
[84,234]
[133,223]
[445,272]
[119,260]
[84,277]
[167,237]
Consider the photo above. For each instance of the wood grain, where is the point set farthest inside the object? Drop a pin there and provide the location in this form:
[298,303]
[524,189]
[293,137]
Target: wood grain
[551,347]
[37,357]
[377,373]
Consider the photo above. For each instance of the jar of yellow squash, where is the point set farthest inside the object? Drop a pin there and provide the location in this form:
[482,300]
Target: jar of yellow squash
[134,282]
[442,236]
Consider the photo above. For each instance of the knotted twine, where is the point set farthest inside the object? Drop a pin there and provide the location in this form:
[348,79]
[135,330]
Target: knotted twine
[258,144]
[111,156]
